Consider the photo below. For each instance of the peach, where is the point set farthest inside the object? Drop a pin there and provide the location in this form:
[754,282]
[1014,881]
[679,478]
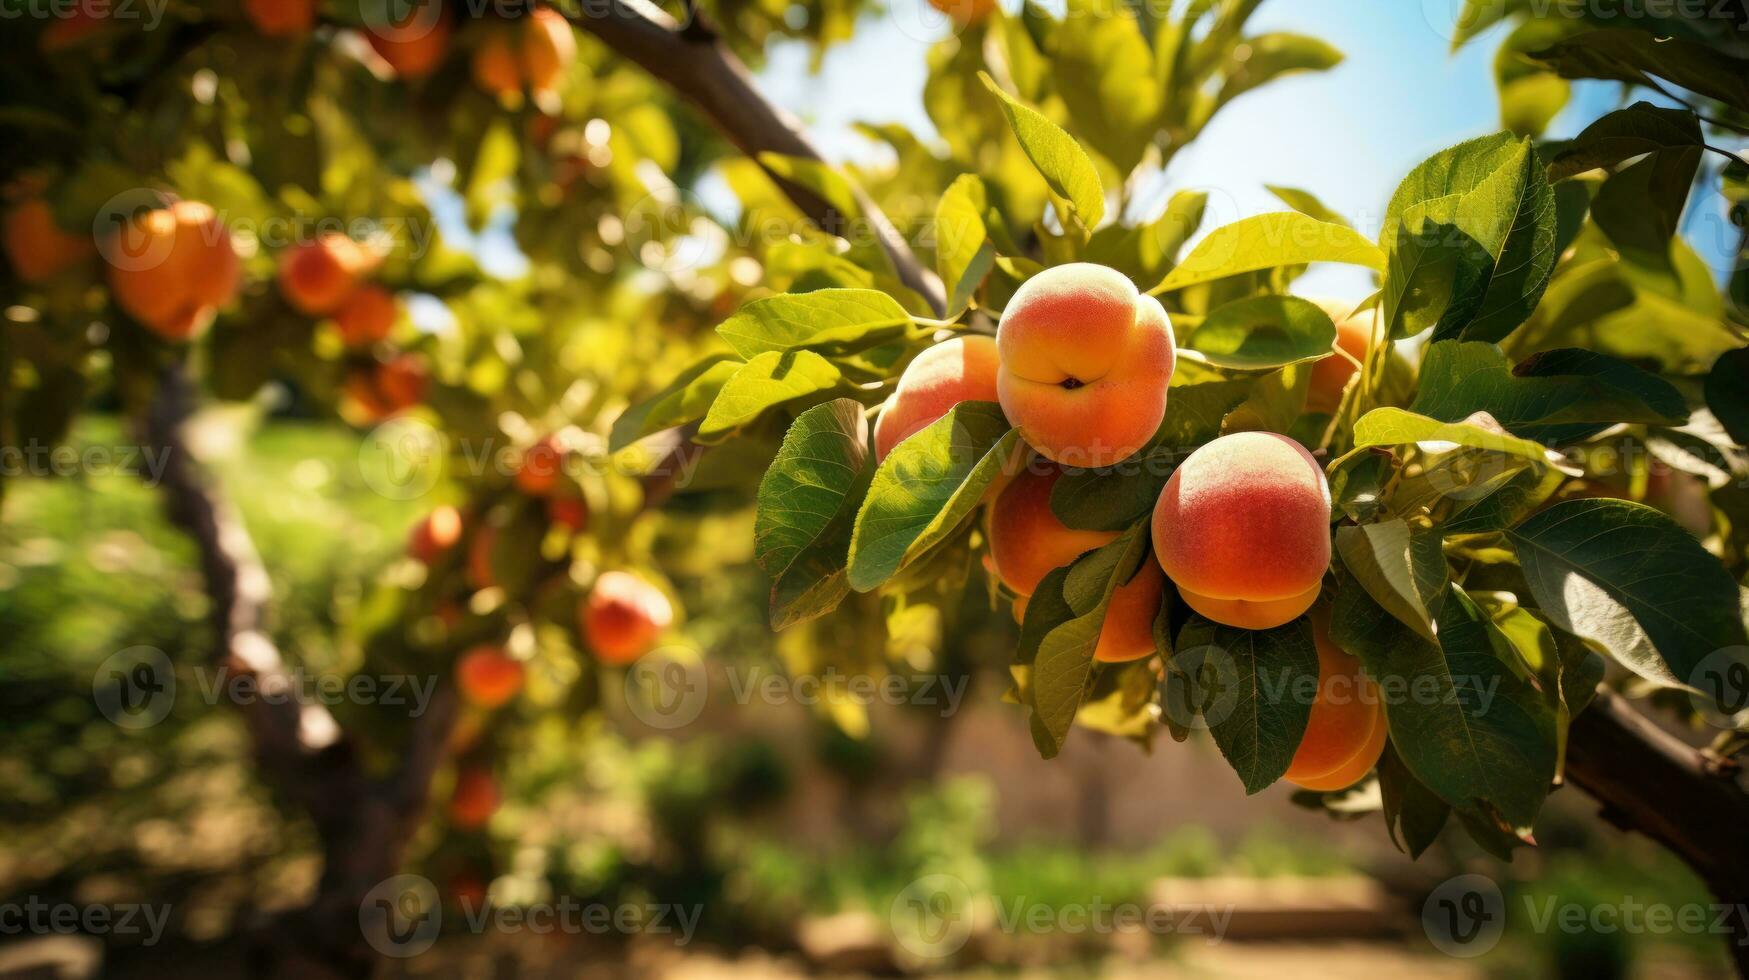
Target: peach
[494,65]
[35,244]
[366,317]
[487,678]
[1027,541]
[281,18]
[474,799]
[434,534]
[623,616]
[377,392]
[1243,528]
[1345,733]
[959,370]
[316,277]
[533,51]
[1085,361]
[542,465]
[415,44]
[172,268]
[965,12]
[568,512]
[1331,375]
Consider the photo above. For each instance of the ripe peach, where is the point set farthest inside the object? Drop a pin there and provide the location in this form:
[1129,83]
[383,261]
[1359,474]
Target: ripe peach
[281,18]
[1085,364]
[965,12]
[1331,375]
[1346,732]
[366,317]
[494,65]
[172,268]
[1243,528]
[542,465]
[316,277]
[474,799]
[435,533]
[533,51]
[487,678]
[1027,541]
[35,244]
[623,616]
[959,370]
[384,389]
[415,44]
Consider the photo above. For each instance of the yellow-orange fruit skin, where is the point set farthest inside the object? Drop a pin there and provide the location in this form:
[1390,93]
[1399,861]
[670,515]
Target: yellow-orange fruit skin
[413,47]
[1331,375]
[366,317]
[542,465]
[965,12]
[474,799]
[494,66]
[548,48]
[1027,542]
[435,533]
[281,18]
[1085,364]
[173,269]
[383,390]
[1243,529]
[959,370]
[623,616]
[1347,718]
[317,277]
[487,677]
[36,246]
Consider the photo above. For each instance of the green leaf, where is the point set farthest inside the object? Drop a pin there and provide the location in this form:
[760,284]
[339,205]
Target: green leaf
[1631,580]
[1195,407]
[1264,333]
[765,381]
[808,501]
[1727,393]
[1414,814]
[1115,497]
[1064,661]
[1268,57]
[685,399]
[820,178]
[963,250]
[1640,208]
[1462,721]
[1270,241]
[833,319]
[1395,427]
[1635,57]
[1557,396]
[926,487]
[1470,236]
[1058,158]
[1258,711]
[1624,134]
[1402,568]
[1104,73]
[1479,15]
[1531,96]
[1307,203]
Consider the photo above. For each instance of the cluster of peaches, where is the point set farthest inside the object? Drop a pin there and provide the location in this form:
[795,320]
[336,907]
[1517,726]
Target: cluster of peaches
[1081,365]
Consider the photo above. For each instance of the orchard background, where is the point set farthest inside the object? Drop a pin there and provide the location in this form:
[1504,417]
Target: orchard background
[1193,487]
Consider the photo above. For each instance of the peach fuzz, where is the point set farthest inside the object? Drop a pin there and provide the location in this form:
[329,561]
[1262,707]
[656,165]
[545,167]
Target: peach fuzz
[317,277]
[623,616]
[1331,375]
[1085,363]
[959,370]
[1027,542]
[487,678]
[1345,733]
[1243,528]
[36,245]
[172,268]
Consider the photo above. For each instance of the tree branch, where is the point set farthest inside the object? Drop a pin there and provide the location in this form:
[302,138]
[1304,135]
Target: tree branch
[692,61]
[1648,780]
